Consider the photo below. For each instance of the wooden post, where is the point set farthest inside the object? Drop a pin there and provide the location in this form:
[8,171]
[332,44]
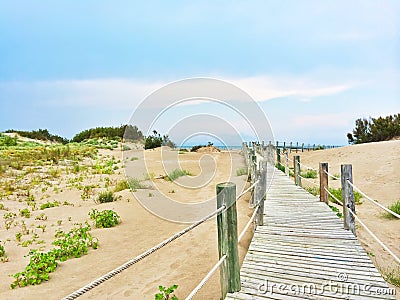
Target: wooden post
[284,146]
[297,146]
[302,147]
[228,238]
[290,147]
[323,182]
[278,156]
[287,163]
[348,198]
[297,178]
[253,168]
[262,194]
[308,148]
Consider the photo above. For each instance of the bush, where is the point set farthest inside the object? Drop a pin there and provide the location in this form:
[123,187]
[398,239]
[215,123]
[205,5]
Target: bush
[136,184]
[105,218]
[241,171]
[280,167]
[49,205]
[395,207]
[310,174]
[176,174]
[375,130]
[338,194]
[121,185]
[25,213]
[106,196]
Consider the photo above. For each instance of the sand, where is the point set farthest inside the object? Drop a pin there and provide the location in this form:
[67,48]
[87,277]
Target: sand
[184,262]
[187,260]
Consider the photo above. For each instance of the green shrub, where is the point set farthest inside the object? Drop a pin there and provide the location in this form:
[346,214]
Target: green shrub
[314,190]
[338,194]
[49,205]
[136,184]
[241,171]
[280,167]
[105,218]
[25,213]
[134,158]
[395,207]
[166,293]
[176,174]
[309,174]
[106,196]
[121,185]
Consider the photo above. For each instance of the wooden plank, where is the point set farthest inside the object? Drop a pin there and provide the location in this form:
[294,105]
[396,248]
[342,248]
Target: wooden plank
[303,242]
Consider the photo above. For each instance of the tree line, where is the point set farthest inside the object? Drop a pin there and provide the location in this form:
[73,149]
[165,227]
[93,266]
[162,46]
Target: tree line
[126,132]
[40,134]
[375,129]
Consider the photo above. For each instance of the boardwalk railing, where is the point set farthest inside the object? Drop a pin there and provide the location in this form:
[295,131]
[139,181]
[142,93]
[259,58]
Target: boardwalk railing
[347,186]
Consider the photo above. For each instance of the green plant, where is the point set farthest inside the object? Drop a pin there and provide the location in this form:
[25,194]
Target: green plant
[338,194]
[106,196]
[336,210]
[134,158]
[9,219]
[176,174]
[166,293]
[18,236]
[310,174]
[49,205]
[38,269]
[2,207]
[241,171]
[121,185]
[41,217]
[3,256]
[314,190]
[25,213]
[136,184]
[395,207]
[149,176]
[105,218]
[391,275]
[280,167]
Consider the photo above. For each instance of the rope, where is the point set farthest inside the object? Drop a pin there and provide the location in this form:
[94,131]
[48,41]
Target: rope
[374,201]
[248,223]
[138,258]
[206,278]
[337,200]
[248,189]
[332,176]
[309,180]
[375,237]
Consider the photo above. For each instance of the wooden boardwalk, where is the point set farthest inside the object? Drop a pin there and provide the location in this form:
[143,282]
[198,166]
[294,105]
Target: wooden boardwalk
[303,252]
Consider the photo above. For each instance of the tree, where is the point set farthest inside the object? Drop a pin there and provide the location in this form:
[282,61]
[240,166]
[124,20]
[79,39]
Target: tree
[375,130]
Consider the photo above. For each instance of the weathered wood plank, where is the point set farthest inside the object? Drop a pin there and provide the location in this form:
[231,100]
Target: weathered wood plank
[303,242]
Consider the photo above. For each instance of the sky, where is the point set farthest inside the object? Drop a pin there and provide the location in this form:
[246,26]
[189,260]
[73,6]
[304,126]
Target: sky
[313,67]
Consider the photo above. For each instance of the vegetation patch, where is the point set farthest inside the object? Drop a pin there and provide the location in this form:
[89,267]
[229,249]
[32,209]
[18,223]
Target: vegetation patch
[49,205]
[175,174]
[395,207]
[166,293]
[106,196]
[309,174]
[241,171]
[280,167]
[105,218]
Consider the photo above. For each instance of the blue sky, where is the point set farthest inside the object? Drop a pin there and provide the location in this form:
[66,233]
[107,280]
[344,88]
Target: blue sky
[314,67]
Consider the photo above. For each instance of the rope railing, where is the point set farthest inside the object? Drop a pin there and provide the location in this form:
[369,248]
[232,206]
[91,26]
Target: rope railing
[307,167]
[138,258]
[306,179]
[246,190]
[339,202]
[206,278]
[397,259]
[373,201]
[251,220]
[332,176]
